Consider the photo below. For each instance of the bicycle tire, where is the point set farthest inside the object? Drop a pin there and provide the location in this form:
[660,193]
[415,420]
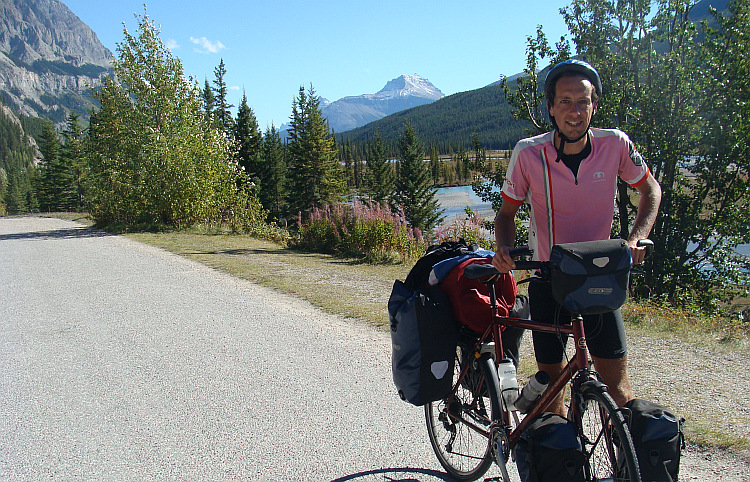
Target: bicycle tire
[607,444]
[463,451]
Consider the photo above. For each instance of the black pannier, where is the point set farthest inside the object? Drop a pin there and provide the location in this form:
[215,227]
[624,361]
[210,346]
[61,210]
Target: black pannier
[658,440]
[590,277]
[549,450]
[424,339]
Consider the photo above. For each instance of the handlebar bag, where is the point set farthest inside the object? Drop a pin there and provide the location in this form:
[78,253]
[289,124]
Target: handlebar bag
[590,277]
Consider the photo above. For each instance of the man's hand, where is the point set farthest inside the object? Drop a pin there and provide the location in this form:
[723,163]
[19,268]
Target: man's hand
[638,254]
[502,260]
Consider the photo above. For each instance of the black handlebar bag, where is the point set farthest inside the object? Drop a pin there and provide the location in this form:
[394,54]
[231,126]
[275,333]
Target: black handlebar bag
[591,277]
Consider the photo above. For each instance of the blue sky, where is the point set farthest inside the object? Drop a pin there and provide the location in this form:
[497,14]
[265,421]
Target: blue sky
[341,47]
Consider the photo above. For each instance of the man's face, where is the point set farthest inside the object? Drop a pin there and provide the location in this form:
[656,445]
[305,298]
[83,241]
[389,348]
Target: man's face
[573,107]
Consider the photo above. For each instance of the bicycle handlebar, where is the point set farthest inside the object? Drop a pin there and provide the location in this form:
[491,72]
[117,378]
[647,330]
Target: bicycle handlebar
[477,271]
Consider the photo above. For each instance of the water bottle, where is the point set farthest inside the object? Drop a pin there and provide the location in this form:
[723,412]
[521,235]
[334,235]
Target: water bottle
[532,391]
[506,372]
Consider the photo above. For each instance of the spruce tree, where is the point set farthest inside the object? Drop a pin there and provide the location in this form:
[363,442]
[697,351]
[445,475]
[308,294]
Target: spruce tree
[379,179]
[315,175]
[272,171]
[414,191]
[248,137]
[209,101]
[222,113]
[49,146]
[73,154]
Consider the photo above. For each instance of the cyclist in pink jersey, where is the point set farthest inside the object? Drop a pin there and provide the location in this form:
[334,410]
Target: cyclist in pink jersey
[569,178]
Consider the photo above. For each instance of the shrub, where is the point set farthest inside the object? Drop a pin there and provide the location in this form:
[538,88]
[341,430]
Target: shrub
[473,229]
[366,231]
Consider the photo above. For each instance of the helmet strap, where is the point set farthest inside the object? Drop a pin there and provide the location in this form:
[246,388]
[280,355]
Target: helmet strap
[564,139]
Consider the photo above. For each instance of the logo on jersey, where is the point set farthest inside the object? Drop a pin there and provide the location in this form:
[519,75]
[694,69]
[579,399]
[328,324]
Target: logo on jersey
[510,184]
[599,176]
[635,156]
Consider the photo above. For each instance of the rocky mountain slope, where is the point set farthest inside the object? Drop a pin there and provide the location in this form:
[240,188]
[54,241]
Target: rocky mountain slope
[49,59]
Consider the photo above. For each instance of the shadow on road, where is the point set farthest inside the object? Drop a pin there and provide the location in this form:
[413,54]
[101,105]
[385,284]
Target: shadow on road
[395,474]
[68,233]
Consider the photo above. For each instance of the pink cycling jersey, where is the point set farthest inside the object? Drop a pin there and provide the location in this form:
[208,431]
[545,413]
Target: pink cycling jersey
[567,208]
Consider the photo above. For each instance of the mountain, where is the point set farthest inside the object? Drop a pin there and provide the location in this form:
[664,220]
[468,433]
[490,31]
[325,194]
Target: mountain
[401,93]
[450,122]
[49,59]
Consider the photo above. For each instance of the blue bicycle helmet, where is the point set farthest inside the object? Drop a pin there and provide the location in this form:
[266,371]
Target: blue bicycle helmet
[573,66]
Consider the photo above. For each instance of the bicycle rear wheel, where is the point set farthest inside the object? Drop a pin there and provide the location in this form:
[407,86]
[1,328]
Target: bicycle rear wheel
[459,428]
[606,440]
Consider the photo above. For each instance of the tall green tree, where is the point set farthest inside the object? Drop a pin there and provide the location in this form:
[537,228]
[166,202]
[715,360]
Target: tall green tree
[153,157]
[380,179]
[248,137]
[272,174]
[314,173]
[222,107]
[209,101]
[59,185]
[48,182]
[74,155]
[413,188]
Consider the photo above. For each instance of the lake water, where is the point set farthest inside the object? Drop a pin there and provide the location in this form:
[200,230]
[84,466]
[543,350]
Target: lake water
[455,199]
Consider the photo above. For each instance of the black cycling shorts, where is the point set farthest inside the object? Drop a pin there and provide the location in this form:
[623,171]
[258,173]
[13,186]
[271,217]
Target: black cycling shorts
[605,334]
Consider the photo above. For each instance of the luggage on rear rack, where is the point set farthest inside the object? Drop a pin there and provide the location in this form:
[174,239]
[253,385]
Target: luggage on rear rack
[424,310]
[423,331]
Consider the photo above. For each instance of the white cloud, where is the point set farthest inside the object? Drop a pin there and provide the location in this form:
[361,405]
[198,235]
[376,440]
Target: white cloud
[207,46]
[234,87]
[171,44]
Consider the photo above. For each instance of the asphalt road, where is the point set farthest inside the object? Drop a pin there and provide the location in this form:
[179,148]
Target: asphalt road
[120,361]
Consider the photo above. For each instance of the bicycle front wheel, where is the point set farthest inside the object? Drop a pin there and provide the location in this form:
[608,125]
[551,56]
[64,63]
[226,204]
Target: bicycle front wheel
[605,437]
[459,427]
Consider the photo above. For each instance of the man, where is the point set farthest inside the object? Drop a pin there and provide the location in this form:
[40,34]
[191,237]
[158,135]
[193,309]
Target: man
[569,177]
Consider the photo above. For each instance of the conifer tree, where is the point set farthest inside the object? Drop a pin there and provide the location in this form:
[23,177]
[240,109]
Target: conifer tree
[379,172]
[49,146]
[314,173]
[209,101]
[248,137]
[272,174]
[222,113]
[414,191]
[73,154]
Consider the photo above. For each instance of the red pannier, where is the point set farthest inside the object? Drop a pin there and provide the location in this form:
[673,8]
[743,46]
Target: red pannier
[470,300]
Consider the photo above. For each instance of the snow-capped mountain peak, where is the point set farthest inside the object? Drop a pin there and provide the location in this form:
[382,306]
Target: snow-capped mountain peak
[411,85]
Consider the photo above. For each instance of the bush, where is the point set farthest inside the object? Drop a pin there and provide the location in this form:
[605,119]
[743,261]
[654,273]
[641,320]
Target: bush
[473,229]
[367,231]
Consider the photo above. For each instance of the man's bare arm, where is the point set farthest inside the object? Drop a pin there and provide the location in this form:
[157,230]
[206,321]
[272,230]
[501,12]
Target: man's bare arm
[648,207]
[505,237]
